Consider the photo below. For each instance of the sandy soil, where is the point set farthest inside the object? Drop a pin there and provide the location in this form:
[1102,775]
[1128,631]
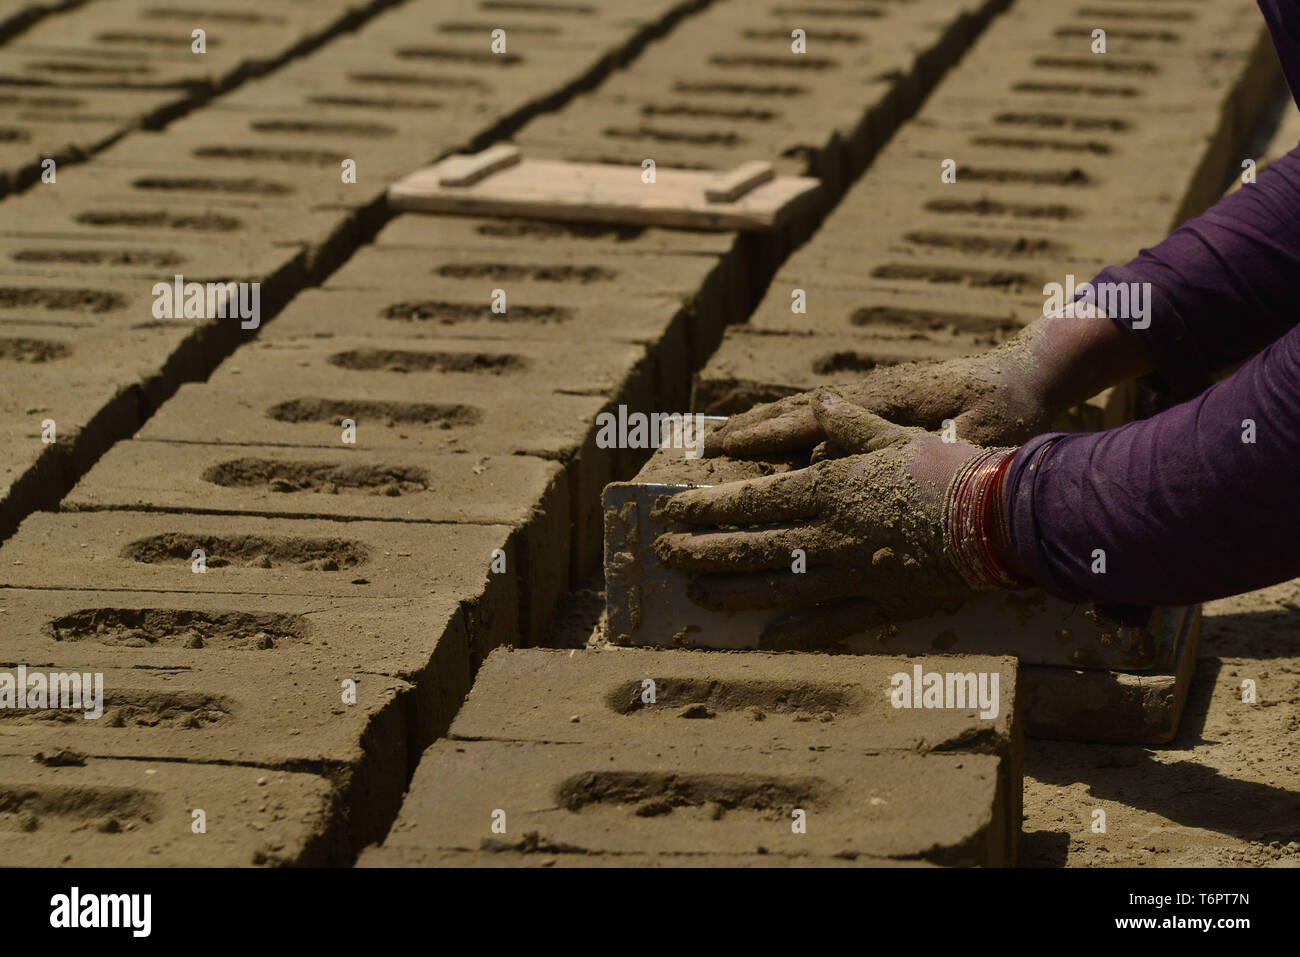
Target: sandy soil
[1224,792]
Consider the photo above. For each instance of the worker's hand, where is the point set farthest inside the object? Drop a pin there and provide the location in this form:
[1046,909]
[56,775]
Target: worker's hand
[1001,397]
[992,399]
[870,526]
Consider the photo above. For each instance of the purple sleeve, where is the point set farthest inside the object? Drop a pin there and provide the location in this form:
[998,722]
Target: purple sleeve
[1202,500]
[1197,502]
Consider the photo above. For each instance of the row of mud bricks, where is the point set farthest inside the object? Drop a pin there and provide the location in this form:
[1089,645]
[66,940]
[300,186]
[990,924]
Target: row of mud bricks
[287,609]
[1050,143]
[356,579]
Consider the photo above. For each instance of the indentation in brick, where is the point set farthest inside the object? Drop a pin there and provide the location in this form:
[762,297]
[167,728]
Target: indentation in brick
[271,154]
[322,126]
[657,134]
[1099,64]
[98,257]
[1075,89]
[410,79]
[1041,177]
[846,361]
[62,300]
[1058,121]
[538,6]
[27,807]
[335,410]
[956,275]
[805,62]
[513,228]
[406,360]
[559,272]
[21,349]
[739,89]
[448,313]
[985,245]
[929,320]
[244,186]
[134,708]
[144,38]
[1096,147]
[993,207]
[708,112]
[254,551]
[772,698]
[648,794]
[316,476]
[199,223]
[144,627]
[375,102]
[454,55]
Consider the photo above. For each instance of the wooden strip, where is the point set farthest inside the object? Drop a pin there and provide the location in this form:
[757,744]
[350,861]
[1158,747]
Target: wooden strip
[729,187]
[478,167]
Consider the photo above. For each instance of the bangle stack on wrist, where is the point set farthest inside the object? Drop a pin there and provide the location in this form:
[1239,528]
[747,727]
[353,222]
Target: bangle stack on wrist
[975,521]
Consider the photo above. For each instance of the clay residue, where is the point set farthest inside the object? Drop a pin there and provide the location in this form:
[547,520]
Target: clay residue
[179,628]
[324,477]
[253,551]
[388,413]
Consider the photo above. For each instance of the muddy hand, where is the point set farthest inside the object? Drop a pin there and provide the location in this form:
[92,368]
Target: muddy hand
[1000,397]
[852,542]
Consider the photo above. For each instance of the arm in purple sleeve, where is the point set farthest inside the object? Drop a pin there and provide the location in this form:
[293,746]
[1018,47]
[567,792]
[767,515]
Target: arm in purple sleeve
[1202,500]
[1198,502]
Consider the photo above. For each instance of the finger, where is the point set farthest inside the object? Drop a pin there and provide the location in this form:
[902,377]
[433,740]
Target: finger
[785,589]
[716,439]
[852,427]
[785,497]
[752,551]
[821,626]
[795,428]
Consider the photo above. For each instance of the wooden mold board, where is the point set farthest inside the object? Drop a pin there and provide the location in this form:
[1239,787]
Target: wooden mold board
[501,182]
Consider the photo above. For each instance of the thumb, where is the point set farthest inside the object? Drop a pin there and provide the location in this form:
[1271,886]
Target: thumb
[852,427]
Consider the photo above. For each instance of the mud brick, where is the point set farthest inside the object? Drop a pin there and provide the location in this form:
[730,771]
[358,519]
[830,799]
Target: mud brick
[268,717]
[470,413]
[432,641]
[306,149]
[754,702]
[77,211]
[139,814]
[531,274]
[90,382]
[536,312]
[145,551]
[612,799]
[156,260]
[528,494]
[885,312]
[257,555]
[98,69]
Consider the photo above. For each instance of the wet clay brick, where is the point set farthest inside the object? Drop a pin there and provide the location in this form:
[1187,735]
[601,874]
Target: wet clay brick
[610,799]
[110,813]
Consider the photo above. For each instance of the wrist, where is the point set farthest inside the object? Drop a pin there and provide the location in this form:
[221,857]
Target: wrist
[977,530]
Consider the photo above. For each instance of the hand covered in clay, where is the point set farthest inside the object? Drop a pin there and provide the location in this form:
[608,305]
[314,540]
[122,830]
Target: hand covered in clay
[991,399]
[1000,397]
[870,524]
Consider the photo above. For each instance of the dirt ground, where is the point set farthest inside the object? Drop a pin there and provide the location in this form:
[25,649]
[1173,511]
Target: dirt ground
[1224,792]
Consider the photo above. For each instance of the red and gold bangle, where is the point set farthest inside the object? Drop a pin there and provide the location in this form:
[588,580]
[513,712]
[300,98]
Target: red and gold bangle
[975,521]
